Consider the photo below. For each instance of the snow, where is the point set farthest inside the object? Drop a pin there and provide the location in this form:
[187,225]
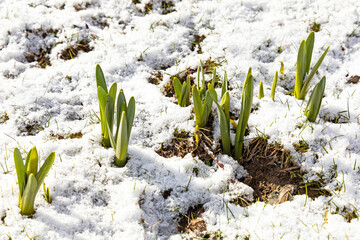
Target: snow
[92,198]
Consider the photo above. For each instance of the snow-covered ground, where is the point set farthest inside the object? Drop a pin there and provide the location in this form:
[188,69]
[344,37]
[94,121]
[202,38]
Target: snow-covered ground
[92,198]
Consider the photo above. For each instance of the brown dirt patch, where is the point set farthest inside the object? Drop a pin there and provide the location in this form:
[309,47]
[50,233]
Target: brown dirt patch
[274,175]
[41,57]
[72,51]
[183,144]
[156,78]
[353,79]
[192,221]
[167,7]
[197,40]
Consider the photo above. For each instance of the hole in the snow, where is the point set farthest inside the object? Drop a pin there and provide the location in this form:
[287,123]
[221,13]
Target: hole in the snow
[274,175]
[72,51]
[192,221]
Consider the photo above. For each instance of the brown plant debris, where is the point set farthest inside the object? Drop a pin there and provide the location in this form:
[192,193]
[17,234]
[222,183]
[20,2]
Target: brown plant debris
[301,147]
[155,78]
[274,175]
[183,144]
[67,136]
[315,27]
[180,145]
[72,51]
[353,79]
[167,7]
[4,117]
[192,221]
[198,39]
[42,57]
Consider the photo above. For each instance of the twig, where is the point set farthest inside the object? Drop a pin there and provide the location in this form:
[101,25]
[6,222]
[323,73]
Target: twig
[207,150]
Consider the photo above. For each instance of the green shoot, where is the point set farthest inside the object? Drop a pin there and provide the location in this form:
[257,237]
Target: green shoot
[201,98]
[125,118]
[224,118]
[246,103]
[261,90]
[109,109]
[47,195]
[282,68]
[313,107]
[274,86]
[29,178]
[182,92]
[303,66]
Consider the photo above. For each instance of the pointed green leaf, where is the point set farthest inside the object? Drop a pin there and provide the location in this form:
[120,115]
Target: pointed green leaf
[273,88]
[32,162]
[261,90]
[309,49]
[100,79]
[246,103]
[45,168]
[178,89]
[130,114]
[313,107]
[20,172]
[223,119]
[120,101]
[110,110]
[112,91]
[197,106]
[282,68]
[300,69]
[225,84]
[305,87]
[102,96]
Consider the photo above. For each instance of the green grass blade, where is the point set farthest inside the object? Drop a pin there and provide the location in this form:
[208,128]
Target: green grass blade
[45,168]
[122,142]
[100,79]
[313,107]
[261,90]
[309,49]
[28,198]
[305,87]
[20,172]
[273,87]
[300,69]
[246,103]
[225,84]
